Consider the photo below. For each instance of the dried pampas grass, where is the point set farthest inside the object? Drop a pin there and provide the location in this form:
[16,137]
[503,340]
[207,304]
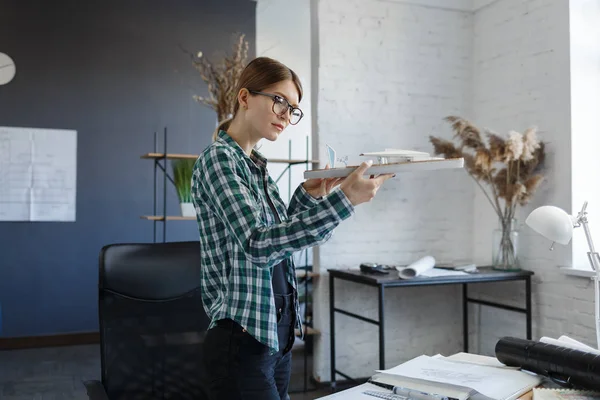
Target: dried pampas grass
[222,78]
[508,170]
[509,167]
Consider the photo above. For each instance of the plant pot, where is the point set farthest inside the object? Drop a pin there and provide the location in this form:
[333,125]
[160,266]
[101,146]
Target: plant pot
[187,209]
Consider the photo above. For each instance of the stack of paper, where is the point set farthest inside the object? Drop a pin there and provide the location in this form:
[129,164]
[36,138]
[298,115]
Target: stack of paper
[459,379]
[461,376]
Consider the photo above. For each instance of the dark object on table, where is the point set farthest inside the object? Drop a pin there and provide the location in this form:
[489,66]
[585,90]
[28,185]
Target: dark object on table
[372,268]
[566,367]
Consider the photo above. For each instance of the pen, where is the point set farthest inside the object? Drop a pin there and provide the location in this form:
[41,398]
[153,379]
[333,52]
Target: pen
[410,393]
[417,394]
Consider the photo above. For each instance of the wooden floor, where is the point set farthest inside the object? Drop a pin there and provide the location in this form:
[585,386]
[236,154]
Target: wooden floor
[57,374]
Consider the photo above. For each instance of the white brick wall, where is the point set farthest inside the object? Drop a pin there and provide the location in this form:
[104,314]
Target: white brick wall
[521,78]
[389,72]
[585,120]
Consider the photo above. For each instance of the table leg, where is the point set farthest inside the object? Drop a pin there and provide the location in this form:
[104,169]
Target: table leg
[465,319]
[332,330]
[528,305]
[381,329]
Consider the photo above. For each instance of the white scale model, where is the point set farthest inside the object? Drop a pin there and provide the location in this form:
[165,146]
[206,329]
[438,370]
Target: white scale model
[391,161]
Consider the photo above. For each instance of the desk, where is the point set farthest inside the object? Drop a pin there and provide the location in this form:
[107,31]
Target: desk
[485,274]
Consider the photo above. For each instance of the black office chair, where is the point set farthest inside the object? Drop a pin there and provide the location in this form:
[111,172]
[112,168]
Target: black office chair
[152,323]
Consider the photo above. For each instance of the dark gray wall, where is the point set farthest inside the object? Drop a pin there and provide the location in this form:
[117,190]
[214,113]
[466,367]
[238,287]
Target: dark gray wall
[115,72]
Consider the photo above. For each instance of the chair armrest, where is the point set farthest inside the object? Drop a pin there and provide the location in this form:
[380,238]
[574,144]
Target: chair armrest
[95,390]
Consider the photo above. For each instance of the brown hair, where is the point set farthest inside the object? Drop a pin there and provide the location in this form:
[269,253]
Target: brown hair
[259,74]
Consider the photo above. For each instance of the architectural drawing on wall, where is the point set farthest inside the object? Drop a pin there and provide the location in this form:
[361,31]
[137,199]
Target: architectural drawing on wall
[38,170]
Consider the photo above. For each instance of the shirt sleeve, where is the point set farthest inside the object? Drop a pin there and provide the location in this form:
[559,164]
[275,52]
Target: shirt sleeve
[230,197]
[300,201]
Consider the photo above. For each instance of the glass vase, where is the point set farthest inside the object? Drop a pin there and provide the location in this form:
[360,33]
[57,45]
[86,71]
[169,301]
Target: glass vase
[505,242]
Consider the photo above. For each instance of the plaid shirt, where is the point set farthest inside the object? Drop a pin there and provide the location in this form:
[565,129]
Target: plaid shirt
[241,241]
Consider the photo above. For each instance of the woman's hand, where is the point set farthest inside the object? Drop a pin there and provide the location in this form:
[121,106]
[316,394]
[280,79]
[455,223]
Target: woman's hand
[319,187]
[361,190]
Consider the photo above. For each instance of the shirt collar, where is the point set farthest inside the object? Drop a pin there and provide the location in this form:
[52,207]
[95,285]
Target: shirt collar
[255,156]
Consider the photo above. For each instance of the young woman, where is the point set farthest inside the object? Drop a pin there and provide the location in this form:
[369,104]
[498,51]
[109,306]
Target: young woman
[247,237]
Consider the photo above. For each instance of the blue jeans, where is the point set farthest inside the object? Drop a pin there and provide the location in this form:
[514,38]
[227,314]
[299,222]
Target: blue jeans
[237,366]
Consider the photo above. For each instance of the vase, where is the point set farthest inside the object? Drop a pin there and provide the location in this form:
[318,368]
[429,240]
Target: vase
[505,242]
[187,210]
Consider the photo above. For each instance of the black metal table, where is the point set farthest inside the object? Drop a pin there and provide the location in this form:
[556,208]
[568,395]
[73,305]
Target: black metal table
[485,274]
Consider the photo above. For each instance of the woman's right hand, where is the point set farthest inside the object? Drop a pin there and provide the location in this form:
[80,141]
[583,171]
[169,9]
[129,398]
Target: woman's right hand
[361,190]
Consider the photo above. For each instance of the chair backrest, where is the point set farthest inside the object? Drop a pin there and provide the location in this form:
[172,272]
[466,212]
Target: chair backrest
[152,323]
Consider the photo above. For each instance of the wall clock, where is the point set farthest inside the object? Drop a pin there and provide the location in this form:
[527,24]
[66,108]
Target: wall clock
[7,69]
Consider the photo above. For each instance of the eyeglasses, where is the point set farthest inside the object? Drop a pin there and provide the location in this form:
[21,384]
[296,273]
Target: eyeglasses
[281,106]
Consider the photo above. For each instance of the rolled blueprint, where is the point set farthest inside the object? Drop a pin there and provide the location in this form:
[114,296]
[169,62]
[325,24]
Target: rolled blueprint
[565,341]
[417,268]
[570,367]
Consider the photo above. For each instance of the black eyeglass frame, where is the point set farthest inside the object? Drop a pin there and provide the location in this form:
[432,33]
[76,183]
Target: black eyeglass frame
[289,107]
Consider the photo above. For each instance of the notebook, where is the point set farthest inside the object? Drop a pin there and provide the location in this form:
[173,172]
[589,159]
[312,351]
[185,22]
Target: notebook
[460,380]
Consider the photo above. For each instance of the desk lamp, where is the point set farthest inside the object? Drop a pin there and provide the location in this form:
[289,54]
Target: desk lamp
[555,224]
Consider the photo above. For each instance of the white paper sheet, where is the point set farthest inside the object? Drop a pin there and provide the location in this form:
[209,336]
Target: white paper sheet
[416,268]
[37,174]
[478,359]
[425,267]
[492,382]
[437,272]
[565,341]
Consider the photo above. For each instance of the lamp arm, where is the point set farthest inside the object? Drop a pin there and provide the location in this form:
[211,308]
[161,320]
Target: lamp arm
[593,256]
[594,259]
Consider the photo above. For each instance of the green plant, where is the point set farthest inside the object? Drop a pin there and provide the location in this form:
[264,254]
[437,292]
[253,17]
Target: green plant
[182,178]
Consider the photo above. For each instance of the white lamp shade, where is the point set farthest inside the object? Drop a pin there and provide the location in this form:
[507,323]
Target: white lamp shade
[551,222]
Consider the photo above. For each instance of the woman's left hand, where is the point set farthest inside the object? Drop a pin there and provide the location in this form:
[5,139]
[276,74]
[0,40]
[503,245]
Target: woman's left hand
[319,187]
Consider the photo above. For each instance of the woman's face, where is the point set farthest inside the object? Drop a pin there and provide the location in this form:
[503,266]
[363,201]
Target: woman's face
[266,123]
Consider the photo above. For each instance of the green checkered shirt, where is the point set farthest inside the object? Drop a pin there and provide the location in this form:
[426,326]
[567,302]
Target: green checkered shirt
[241,241]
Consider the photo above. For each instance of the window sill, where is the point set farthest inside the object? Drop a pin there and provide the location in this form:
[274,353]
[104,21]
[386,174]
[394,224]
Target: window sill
[583,273]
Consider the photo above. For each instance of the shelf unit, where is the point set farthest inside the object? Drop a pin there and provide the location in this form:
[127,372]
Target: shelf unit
[160,163]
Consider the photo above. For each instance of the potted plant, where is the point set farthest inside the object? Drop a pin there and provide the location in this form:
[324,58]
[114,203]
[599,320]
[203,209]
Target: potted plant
[182,178]
[511,169]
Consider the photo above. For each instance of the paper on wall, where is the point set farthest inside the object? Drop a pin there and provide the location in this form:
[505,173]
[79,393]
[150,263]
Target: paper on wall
[37,174]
